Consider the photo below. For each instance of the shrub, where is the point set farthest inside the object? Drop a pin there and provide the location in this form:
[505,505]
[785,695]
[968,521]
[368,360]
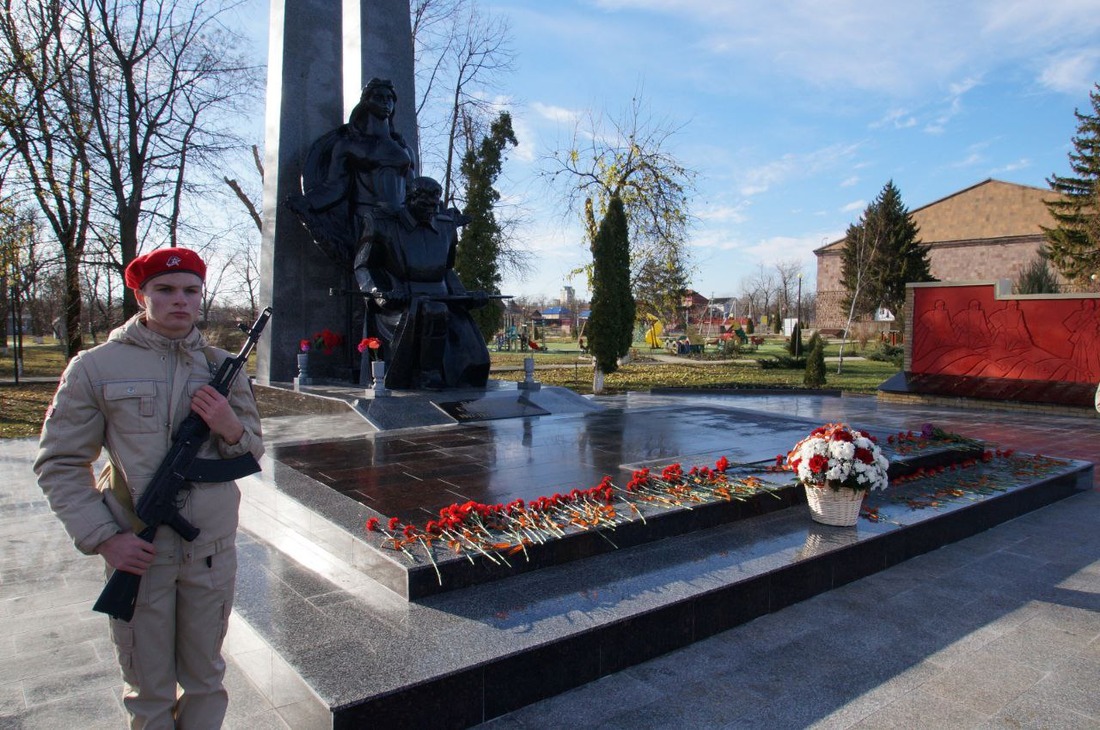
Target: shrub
[885,352]
[794,344]
[730,347]
[815,340]
[815,364]
[1037,277]
[863,332]
[783,362]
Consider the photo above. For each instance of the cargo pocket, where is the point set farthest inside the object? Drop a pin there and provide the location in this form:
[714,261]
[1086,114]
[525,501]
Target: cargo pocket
[132,406]
[122,635]
[223,573]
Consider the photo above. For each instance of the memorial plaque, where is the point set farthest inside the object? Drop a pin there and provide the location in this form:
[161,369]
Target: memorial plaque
[489,409]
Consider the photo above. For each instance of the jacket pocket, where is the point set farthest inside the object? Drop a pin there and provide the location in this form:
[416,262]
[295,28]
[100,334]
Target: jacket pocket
[132,406]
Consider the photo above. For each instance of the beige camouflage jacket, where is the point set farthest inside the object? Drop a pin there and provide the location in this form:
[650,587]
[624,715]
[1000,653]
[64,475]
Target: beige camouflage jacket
[128,396]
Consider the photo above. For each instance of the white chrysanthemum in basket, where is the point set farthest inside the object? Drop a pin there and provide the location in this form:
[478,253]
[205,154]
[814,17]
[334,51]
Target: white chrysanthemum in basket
[837,455]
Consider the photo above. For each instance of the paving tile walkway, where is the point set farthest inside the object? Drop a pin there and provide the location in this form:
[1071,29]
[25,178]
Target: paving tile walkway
[1000,630]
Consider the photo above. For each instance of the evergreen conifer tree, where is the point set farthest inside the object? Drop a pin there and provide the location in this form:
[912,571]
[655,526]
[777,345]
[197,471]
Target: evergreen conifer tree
[1037,277]
[610,327]
[1074,243]
[882,253]
[815,363]
[794,347]
[476,261]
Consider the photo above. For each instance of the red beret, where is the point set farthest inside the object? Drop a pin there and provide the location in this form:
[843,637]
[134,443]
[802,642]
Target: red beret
[163,261]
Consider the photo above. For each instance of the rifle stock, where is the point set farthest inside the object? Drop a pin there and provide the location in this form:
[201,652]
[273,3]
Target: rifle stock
[181,465]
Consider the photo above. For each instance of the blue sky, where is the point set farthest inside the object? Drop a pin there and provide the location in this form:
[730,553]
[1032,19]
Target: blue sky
[795,113]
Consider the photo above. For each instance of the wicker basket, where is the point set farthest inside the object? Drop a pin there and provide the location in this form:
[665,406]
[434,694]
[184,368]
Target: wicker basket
[834,506]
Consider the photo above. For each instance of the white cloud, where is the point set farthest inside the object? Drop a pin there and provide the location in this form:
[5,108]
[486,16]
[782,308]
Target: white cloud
[853,206]
[553,113]
[1071,73]
[759,179]
[1021,164]
[890,48]
[896,118]
[724,213]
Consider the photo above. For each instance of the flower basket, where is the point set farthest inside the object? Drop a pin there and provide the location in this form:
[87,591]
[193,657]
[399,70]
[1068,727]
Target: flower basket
[838,465]
[834,506]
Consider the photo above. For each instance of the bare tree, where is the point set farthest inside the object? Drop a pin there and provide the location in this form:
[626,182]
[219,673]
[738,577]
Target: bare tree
[111,105]
[761,290]
[48,129]
[164,79]
[248,272]
[461,53]
[864,240]
[253,210]
[630,161]
[787,272]
[433,29]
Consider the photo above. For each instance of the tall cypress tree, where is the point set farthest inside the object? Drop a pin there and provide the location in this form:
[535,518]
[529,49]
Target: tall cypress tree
[1074,243]
[476,261]
[610,327]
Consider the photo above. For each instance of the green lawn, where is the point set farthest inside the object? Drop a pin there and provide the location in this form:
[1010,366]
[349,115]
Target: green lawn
[22,407]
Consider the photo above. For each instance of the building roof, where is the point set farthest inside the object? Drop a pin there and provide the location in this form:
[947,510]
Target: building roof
[991,209]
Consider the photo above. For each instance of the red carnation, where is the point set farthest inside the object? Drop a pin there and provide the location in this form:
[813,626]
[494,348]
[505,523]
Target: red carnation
[818,464]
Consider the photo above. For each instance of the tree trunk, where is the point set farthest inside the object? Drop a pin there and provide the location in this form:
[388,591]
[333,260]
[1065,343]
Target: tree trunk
[597,380]
[128,245]
[74,342]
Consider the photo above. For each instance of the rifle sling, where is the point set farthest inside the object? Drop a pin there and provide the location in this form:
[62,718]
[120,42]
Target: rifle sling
[111,479]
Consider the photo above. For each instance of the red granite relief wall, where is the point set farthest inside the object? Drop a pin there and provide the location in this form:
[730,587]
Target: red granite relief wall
[966,330]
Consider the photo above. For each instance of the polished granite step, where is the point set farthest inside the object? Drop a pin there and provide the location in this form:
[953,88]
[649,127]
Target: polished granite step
[455,659]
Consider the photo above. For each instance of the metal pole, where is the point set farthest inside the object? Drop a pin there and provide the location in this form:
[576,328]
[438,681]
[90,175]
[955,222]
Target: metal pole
[16,335]
[798,318]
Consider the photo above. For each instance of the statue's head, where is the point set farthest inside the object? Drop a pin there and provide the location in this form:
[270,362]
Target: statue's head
[379,99]
[422,198]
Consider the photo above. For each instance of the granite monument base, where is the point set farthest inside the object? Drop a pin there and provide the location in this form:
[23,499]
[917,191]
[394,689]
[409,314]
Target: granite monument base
[391,410]
[371,656]
[1049,394]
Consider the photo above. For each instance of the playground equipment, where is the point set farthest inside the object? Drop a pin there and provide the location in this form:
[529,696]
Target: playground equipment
[653,332]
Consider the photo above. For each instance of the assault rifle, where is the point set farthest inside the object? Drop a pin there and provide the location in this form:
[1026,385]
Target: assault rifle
[158,503]
[457,298]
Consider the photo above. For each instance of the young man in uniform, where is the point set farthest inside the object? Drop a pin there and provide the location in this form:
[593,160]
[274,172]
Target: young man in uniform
[129,395]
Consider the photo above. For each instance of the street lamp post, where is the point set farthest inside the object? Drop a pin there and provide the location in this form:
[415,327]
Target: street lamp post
[798,316]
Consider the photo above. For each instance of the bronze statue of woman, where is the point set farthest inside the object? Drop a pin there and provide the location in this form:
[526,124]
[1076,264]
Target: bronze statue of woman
[354,172]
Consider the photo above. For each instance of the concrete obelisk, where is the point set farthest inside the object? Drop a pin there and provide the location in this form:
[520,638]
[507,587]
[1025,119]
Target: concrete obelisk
[321,53]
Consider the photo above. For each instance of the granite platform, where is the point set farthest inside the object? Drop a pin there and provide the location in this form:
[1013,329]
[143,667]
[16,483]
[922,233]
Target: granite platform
[1000,629]
[313,585]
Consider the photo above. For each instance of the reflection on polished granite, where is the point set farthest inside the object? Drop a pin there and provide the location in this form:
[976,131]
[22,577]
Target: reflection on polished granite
[412,475]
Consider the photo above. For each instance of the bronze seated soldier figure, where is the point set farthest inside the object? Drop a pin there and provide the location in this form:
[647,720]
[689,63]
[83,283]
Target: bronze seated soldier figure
[416,304]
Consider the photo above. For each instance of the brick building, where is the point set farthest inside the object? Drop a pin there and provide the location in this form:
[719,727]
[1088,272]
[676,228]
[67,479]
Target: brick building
[985,232]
